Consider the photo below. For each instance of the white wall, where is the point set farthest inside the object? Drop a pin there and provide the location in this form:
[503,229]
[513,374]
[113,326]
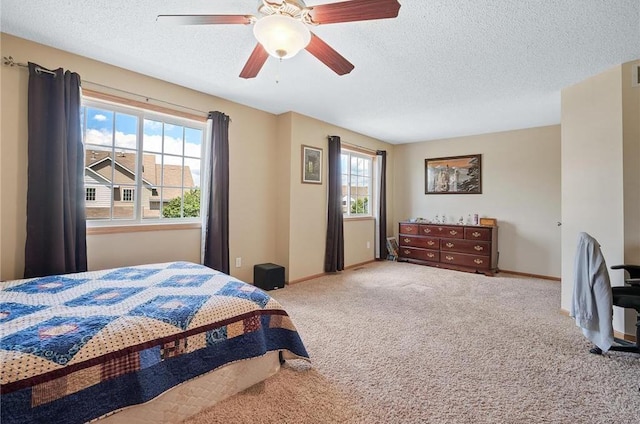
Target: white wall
[520,188]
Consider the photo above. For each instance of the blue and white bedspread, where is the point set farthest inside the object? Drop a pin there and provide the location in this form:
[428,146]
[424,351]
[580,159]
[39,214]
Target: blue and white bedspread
[75,347]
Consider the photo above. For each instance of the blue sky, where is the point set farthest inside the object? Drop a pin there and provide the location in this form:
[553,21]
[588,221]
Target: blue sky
[102,120]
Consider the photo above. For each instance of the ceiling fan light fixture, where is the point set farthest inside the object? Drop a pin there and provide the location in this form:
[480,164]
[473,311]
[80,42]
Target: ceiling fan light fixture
[282,36]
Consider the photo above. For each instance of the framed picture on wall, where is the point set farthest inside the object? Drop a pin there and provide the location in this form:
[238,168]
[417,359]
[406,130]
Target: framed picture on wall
[453,175]
[311,165]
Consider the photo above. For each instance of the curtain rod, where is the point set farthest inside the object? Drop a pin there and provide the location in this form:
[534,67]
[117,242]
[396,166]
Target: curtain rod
[360,147]
[8,61]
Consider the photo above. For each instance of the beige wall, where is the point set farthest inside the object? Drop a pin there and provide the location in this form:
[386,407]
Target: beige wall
[253,178]
[593,175]
[276,218]
[273,216]
[520,188]
[283,192]
[308,212]
[631,163]
[631,175]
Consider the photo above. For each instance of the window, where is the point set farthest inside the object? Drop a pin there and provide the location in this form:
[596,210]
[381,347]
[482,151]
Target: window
[140,166]
[357,183]
[127,195]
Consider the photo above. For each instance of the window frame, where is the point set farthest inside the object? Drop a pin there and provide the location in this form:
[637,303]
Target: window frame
[165,116]
[351,152]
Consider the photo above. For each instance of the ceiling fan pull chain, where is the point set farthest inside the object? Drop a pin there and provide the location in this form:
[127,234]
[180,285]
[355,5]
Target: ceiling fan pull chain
[278,71]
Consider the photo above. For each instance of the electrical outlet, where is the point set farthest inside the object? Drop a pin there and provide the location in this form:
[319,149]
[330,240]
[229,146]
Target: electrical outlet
[238,262]
[368,245]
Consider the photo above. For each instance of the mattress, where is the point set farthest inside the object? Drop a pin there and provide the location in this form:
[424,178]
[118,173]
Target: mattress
[76,347]
[191,397]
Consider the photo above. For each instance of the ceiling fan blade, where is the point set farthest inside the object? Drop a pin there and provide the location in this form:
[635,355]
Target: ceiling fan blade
[256,61]
[354,10]
[206,19]
[327,55]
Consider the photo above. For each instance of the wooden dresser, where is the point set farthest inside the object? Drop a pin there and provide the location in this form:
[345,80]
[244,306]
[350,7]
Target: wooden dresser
[470,248]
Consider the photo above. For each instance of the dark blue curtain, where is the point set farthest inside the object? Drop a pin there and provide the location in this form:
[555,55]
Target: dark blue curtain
[216,250]
[334,249]
[56,223]
[382,205]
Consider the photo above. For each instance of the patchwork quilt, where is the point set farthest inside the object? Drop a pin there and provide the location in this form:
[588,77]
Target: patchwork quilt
[75,347]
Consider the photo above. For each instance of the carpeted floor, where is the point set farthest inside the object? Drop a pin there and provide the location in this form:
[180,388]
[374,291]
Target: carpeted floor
[402,343]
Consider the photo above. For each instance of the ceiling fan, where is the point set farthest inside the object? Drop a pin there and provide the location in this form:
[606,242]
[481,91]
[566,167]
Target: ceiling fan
[284,29]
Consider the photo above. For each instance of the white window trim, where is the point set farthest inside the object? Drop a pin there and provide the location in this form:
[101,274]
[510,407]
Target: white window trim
[139,222]
[373,183]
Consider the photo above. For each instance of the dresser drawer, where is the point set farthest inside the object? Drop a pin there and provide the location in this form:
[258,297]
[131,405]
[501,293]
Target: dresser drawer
[409,229]
[421,254]
[475,261]
[449,231]
[422,242]
[475,233]
[466,246]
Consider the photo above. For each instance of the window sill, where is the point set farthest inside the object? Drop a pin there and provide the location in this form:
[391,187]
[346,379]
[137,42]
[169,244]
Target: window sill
[358,218]
[116,229]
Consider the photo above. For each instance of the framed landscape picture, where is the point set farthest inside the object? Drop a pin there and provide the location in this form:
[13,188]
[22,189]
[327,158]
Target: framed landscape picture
[311,165]
[453,175]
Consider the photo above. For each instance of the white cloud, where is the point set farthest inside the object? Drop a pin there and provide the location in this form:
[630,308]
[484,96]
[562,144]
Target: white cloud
[99,117]
[192,149]
[129,141]
[152,125]
[100,137]
[105,137]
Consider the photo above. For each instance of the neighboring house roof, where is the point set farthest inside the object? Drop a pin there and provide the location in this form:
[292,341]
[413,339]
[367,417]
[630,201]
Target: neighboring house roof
[170,177]
[96,176]
[126,161]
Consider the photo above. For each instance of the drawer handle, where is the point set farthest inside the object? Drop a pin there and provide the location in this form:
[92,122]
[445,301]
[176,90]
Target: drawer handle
[407,240]
[406,252]
[478,248]
[449,258]
[476,234]
[408,229]
[431,255]
[453,232]
[431,242]
[427,230]
[478,261]
[450,244]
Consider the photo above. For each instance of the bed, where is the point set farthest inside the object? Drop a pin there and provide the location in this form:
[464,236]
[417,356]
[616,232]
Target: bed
[79,347]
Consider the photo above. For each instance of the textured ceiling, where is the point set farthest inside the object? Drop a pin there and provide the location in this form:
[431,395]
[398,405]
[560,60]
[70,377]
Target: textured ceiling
[443,68]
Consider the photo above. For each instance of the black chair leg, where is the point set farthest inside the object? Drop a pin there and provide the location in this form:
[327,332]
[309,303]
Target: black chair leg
[628,346]
[625,346]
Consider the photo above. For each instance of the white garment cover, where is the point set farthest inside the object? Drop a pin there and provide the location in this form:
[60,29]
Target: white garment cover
[592,305]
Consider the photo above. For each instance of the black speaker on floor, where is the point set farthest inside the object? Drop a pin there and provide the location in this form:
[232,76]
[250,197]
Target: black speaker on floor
[268,276]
